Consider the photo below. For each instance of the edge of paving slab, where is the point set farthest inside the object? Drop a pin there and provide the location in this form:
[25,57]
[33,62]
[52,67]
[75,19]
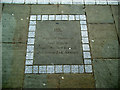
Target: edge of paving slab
[0,46]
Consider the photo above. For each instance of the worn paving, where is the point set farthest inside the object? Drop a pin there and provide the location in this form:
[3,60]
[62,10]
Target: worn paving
[103,41]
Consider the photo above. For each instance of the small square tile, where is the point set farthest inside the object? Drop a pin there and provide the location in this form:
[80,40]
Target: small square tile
[58,17]
[42,69]
[86,54]
[32,22]
[51,17]
[74,68]
[33,17]
[50,69]
[84,33]
[6,1]
[30,1]
[64,17]
[35,69]
[77,17]
[18,1]
[88,68]
[113,2]
[43,1]
[29,62]
[101,2]
[78,1]
[31,34]
[85,40]
[82,17]
[89,1]
[71,17]
[87,61]
[28,69]
[66,68]
[32,28]
[81,68]
[83,22]
[31,40]
[38,17]
[83,27]
[29,55]
[86,47]
[58,68]
[44,17]
[66,1]
[30,48]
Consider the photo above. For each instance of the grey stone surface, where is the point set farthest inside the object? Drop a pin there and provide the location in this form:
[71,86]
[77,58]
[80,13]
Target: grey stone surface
[116,16]
[106,73]
[59,42]
[105,39]
[13,56]
[57,9]
[99,14]
[15,23]
[35,81]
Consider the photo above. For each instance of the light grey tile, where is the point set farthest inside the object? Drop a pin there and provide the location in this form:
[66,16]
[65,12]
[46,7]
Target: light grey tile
[31,40]
[58,17]
[43,1]
[82,17]
[29,62]
[51,17]
[86,54]
[89,1]
[85,40]
[66,1]
[28,69]
[83,27]
[84,33]
[30,48]
[35,69]
[74,68]
[18,1]
[66,68]
[50,69]
[31,34]
[38,17]
[86,47]
[77,17]
[44,17]
[32,22]
[42,69]
[78,1]
[32,28]
[58,69]
[29,55]
[81,68]
[6,1]
[64,17]
[71,17]
[32,17]
[88,68]
[87,61]
[83,22]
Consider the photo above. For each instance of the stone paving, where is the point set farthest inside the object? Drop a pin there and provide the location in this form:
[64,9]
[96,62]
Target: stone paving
[29,47]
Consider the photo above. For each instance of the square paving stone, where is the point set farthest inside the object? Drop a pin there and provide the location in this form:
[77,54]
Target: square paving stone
[35,81]
[15,23]
[106,73]
[103,41]
[57,9]
[13,56]
[77,81]
[116,17]
[58,42]
[99,14]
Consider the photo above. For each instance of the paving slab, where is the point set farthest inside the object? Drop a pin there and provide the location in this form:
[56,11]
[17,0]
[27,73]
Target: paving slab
[106,73]
[13,57]
[35,81]
[77,81]
[57,9]
[99,14]
[15,23]
[116,17]
[58,42]
[103,41]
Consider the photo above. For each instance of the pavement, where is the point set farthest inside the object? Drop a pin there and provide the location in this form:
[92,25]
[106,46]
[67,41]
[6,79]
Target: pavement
[104,43]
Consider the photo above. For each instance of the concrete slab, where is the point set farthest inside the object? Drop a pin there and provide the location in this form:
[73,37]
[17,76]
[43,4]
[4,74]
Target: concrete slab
[13,57]
[35,81]
[58,42]
[15,23]
[57,9]
[106,73]
[116,18]
[103,41]
[99,14]
[77,81]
